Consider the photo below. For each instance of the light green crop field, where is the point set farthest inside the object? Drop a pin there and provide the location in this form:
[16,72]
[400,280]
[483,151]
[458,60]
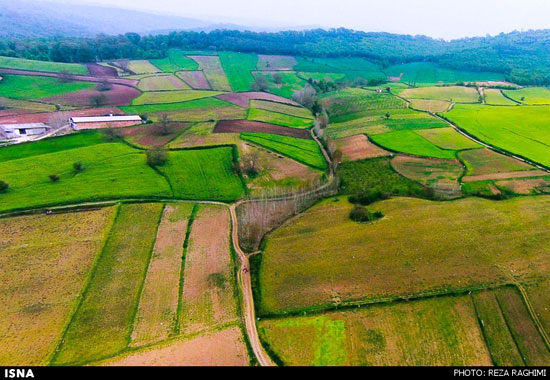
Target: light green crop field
[494,97]
[31,106]
[102,324]
[454,94]
[239,67]
[34,87]
[204,174]
[353,103]
[485,161]
[266,116]
[175,61]
[50,67]
[143,67]
[351,68]
[375,122]
[429,105]
[429,73]
[209,102]
[437,331]
[213,71]
[447,138]
[162,83]
[520,130]
[301,150]
[290,82]
[160,97]
[409,142]
[472,242]
[530,95]
[281,108]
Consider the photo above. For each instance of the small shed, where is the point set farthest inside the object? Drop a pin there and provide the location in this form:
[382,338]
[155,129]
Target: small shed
[23,131]
[111,121]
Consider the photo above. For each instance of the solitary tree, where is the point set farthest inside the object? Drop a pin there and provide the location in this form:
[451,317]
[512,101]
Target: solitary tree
[163,128]
[65,76]
[387,115]
[260,83]
[78,167]
[278,78]
[98,100]
[3,104]
[3,186]
[157,157]
[54,177]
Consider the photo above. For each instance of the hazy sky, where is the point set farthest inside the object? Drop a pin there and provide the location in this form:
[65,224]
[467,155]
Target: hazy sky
[436,18]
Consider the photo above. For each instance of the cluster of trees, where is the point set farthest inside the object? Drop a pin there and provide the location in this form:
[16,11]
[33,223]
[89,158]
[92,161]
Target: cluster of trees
[523,56]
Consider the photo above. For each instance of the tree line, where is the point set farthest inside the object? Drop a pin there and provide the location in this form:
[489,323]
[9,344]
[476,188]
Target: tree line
[523,57]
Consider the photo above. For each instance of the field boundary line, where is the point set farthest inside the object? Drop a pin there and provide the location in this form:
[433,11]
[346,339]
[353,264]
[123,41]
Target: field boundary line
[86,288]
[532,312]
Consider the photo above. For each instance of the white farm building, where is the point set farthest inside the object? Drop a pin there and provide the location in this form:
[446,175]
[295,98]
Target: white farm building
[111,121]
[14,133]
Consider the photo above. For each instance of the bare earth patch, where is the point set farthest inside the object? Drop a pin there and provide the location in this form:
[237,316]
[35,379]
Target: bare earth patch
[524,174]
[527,186]
[222,348]
[358,148]
[238,126]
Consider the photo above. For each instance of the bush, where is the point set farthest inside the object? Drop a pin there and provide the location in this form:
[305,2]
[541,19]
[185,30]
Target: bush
[54,177]
[3,186]
[368,197]
[362,215]
[157,157]
[78,167]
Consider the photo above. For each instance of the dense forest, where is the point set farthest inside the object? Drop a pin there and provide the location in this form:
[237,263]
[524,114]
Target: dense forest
[523,56]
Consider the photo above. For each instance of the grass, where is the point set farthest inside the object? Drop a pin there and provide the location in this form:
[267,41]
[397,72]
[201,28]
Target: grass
[205,114]
[157,311]
[286,109]
[162,83]
[530,95]
[409,142]
[453,94]
[277,118]
[448,138]
[429,73]
[44,271]
[432,106]
[353,103]
[34,87]
[396,256]
[500,341]
[102,324]
[51,145]
[351,68]
[175,61]
[238,68]
[495,97]
[486,161]
[209,102]
[111,170]
[290,82]
[301,150]
[51,67]
[376,175]
[519,130]
[431,332]
[276,62]
[204,174]
[160,97]
[31,106]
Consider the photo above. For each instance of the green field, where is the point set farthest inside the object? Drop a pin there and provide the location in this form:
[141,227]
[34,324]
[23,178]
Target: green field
[429,73]
[290,82]
[353,103]
[453,94]
[161,97]
[407,141]
[519,130]
[204,174]
[472,242]
[530,95]
[209,102]
[103,322]
[162,83]
[281,108]
[266,116]
[301,150]
[494,97]
[112,171]
[435,332]
[351,68]
[238,67]
[34,87]
[447,138]
[50,67]
[485,161]
[175,61]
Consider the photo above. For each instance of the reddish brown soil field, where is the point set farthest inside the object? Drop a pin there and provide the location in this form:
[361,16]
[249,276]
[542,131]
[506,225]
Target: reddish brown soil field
[195,79]
[146,135]
[358,148]
[522,174]
[83,78]
[118,95]
[101,71]
[238,126]
[44,117]
[242,98]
